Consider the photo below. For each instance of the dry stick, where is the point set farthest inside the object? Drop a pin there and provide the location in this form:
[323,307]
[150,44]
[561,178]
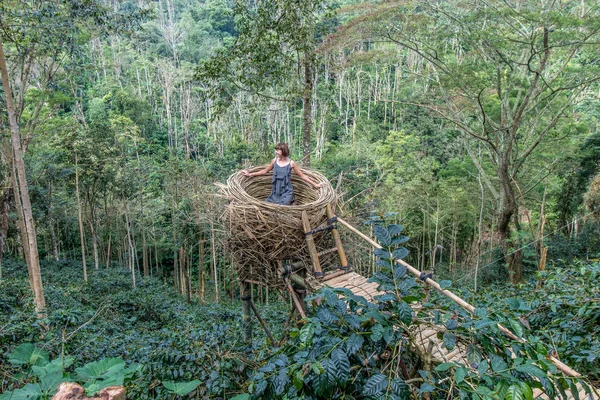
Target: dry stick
[295,299]
[559,364]
[262,322]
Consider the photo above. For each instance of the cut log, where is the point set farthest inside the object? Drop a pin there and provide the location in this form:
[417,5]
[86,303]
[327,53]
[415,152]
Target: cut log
[73,391]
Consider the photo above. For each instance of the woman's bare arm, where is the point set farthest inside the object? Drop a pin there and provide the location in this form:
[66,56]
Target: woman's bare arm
[263,171]
[304,177]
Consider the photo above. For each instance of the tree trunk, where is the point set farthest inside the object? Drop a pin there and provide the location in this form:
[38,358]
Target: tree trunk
[28,222]
[5,205]
[214,259]
[510,244]
[307,100]
[201,269]
[80,218]
[51,224]
[131,256]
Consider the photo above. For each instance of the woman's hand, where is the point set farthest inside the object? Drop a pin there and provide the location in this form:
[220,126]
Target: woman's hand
[245,172]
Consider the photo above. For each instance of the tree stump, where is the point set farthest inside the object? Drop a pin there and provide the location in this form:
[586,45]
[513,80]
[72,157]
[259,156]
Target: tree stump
[73,391]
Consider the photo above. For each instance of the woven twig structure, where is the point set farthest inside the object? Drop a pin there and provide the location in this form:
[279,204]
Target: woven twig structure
[261,233]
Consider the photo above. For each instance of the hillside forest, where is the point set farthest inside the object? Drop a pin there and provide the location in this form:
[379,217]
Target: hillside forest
[472,127]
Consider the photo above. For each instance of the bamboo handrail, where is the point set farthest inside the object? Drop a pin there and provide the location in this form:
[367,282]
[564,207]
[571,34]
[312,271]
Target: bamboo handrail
[461,302]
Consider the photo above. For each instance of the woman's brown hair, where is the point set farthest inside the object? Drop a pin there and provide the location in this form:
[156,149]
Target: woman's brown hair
[285,151]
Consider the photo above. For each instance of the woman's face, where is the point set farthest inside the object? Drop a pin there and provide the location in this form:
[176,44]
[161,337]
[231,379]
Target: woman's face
[278,153]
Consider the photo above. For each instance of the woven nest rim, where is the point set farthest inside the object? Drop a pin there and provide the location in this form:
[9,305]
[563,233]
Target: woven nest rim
[237,193]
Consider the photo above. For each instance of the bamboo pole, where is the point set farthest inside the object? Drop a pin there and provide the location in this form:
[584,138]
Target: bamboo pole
[338,241]
[559,364]
[312,249]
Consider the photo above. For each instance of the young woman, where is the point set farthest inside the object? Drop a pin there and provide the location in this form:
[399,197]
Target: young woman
[282,191]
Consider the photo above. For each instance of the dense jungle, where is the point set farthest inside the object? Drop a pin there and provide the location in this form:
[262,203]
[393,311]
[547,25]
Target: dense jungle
[462,136]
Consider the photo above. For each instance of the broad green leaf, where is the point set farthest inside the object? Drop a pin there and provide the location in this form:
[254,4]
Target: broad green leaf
[31,391]
[515,392]
[340,366]
[382,235]
[460,374]
[399,271]
[100,369]
[399,253]
[354,343]
[49,383]
[395,229]
[405,313]
[531,370]
[444,366]
[445,284]
[306,335]
[382,253]
[498,364]
[243,396]
[298,380]
[517,327]
[449,340]
[181,388]
[375,385]
[28,354]
[527,391]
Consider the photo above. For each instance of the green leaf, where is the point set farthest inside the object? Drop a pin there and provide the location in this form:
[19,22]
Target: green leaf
[399,271]
[445,284]
[482,367]
[354,343]
[517,327]
[49,383]
[375,385]
[100,369]
[28,354]
[531,370]
[399,253]
[306,335]
[382,235]
[340,366]
[444,366]
[460,374]
[243,396]
[31,391]
[498,364]
[449,340]
[298,380]
[382,253]
[526,389]
[405,313]
[181,388]
[395,229]
[515,392]
[376,333]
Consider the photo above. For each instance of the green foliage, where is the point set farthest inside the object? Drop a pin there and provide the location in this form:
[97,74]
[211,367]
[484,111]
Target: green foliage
[147,336]
[34,365]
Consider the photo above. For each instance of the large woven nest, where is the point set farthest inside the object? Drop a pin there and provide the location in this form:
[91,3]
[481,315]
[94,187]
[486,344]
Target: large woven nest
[261,233]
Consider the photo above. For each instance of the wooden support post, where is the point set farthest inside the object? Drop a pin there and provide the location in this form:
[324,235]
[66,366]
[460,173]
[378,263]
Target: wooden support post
[338,241]
[246,317]
[297,302]
[312,249]
[262,323]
